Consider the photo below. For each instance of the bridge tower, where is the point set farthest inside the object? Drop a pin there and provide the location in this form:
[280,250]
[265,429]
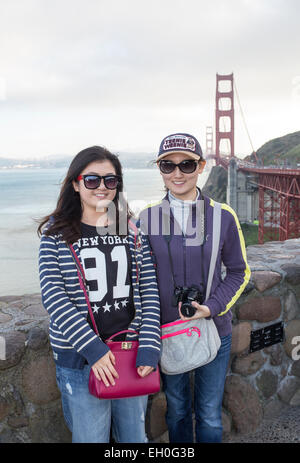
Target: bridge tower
[209,140]
[226,97]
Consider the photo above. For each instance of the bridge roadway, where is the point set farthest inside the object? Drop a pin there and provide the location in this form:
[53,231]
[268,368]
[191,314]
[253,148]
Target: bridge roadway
[278,205]
[250,167]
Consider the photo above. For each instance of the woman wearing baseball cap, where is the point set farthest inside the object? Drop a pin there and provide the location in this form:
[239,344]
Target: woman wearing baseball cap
[182,263]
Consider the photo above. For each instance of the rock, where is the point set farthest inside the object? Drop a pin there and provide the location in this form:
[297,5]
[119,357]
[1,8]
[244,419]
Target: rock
[265,279]
[273,407]
[36,309]
[295,370]
[7,437]
[39,380]
[295,400]
[37,338]
[14,348]
[32,299]
[18,421]
[292,273]
[291,306]
[292,339]
[262,309]
[226,423]
[283,256]
[156,422]
[248,365]
[241,400]
[8,299]
[250,286]
[267,383]
[240,337]
[5,408]
[16,305]
[276,354]
[163,439]
[23,323]
[288,388]
[47,425]
[4,317]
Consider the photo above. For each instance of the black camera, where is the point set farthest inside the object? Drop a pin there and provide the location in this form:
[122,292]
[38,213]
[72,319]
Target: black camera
[187,296]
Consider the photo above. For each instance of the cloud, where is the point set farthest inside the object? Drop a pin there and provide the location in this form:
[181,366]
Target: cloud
[102,60]
[132,51]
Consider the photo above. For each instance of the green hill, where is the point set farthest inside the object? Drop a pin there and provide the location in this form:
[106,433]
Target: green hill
[286,148]
[216,184]
[293,155]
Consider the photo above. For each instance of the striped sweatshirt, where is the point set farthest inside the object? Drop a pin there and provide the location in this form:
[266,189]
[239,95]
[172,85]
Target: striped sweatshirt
[72,340]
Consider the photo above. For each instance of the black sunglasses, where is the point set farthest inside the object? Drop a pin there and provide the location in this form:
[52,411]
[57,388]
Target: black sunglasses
[92,181]
[187,166]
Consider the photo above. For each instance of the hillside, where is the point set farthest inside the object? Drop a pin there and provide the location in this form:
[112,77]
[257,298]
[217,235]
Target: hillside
[281,149]
[216,184]
[293,155]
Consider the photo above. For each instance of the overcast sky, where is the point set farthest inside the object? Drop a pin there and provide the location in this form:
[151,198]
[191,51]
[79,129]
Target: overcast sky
[126,73]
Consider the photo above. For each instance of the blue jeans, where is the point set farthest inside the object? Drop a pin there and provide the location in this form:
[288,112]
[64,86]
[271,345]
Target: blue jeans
[90,419]
[208,395]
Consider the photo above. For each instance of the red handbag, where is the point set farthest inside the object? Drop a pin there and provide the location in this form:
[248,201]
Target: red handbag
[129,383]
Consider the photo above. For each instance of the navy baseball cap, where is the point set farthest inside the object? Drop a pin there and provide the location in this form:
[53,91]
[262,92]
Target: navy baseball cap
[180,143]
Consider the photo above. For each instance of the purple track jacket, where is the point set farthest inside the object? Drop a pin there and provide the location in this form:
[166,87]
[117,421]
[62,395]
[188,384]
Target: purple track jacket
[191,262]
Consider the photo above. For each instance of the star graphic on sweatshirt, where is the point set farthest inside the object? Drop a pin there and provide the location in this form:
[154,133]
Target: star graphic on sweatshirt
[95,308]
[124,303]
[116,304]
[106,307]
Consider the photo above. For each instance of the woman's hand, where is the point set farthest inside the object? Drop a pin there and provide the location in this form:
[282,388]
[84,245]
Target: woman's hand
[201,312]
[144,371]
[104,369]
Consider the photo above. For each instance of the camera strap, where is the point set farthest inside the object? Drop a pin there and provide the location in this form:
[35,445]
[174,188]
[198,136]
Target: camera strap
[215,245]
[168,240]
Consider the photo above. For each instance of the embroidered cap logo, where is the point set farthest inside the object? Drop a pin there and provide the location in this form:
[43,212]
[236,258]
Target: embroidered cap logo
[179,142]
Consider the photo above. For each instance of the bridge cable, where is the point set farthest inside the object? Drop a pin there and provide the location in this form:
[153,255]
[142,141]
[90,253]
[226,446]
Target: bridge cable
[243,117]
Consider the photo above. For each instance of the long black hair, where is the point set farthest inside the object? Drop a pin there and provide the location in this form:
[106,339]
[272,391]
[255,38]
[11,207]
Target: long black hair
[66,217]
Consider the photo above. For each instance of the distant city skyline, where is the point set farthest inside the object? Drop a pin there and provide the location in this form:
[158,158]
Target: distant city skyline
[126,73]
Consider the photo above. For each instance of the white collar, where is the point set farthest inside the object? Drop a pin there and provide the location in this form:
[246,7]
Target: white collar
[176,202]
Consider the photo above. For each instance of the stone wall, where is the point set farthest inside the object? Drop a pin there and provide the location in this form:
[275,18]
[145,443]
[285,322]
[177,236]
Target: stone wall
[258,384]
[30,406]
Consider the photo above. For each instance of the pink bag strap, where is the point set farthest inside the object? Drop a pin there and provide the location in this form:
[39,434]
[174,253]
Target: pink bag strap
[188,331]
[82,283]
[120,332]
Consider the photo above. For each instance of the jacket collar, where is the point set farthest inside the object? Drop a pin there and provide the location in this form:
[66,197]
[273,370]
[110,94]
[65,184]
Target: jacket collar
[200,196]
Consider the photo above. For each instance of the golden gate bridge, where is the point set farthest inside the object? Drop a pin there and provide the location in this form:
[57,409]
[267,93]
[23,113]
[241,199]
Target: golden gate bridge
[278,187]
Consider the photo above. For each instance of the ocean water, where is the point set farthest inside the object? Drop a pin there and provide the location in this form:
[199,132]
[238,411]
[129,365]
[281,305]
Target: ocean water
[27,195]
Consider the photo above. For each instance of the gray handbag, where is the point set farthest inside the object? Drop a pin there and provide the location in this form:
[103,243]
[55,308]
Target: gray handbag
[187,345]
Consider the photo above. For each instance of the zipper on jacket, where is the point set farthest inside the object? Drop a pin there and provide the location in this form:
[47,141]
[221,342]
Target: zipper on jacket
[184,259]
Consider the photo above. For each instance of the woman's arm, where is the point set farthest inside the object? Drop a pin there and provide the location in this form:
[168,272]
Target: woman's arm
[233,255]
[149,335]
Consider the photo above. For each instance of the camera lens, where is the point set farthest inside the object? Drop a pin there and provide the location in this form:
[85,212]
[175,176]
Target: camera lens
[188,310]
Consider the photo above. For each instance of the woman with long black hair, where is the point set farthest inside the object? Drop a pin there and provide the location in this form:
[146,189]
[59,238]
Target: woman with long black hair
[92,216]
